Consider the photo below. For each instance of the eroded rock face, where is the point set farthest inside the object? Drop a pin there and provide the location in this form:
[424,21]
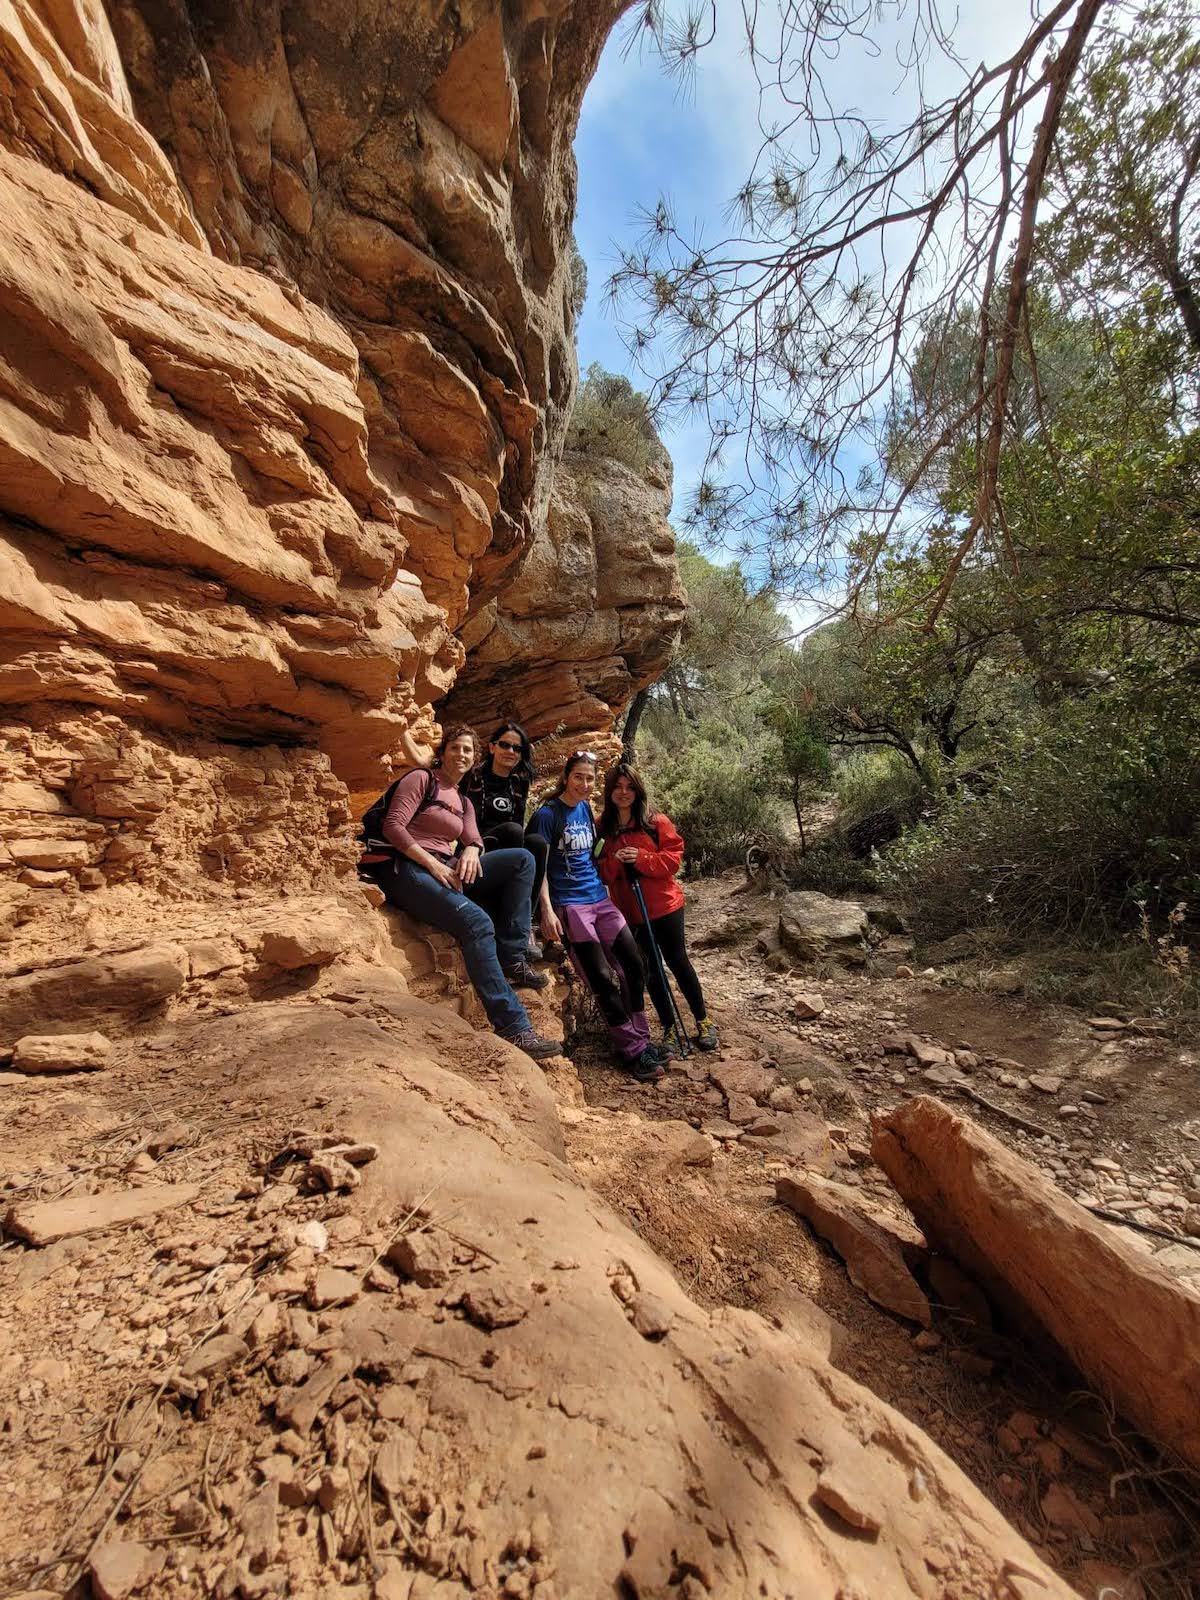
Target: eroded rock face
[410,168]
[288,358]
[592,615]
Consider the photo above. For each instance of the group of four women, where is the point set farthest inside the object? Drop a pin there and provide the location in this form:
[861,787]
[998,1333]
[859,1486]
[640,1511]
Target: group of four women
[450,845]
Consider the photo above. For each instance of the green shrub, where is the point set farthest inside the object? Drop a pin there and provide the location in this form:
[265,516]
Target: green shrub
[718,797]
[828,866]
[612,420]
[868,781]
[1090,824]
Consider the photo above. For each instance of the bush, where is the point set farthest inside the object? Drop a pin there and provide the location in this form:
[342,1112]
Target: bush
[719,799]
[829,867]
[872,781]
[612,420]
[1089,827]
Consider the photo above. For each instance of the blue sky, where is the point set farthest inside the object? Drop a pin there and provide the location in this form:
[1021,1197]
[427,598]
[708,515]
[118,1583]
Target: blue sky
[639,138]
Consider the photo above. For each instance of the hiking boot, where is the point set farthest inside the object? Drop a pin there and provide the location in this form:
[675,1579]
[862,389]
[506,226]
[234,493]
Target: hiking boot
[706,1037]
[665,1050]
[672,1045]
[522,976]
[533,951]
[646,1068]
[533,1044]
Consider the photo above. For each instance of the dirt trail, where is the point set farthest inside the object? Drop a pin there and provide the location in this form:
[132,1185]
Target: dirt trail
[730,1242]
[137,1365]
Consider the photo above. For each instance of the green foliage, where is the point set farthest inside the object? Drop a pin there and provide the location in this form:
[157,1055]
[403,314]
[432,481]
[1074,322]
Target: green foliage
[1093,816]
[579,280]
[611,420]
[801,757]
[716,792]
[871,781]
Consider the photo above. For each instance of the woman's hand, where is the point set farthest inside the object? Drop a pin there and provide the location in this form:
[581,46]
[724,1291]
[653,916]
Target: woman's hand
[444,873]
[551,927]
[469,867]
[628,853]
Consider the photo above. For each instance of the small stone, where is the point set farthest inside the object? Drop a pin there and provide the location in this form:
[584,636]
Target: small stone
[927,1340]
[335,1486]
[808,1005]
[357,1152]
[651,1316]
[329,1286]
[328,1171]
[39,1053]
[123,1568]
[741,1110]
[496,1305]
[764,1126]
[1049,1457]
[259,1523]
[1062,1507]
[1094,1098]
[1067,1111]
[191,1515]
[214,1357]
[423,1257]
[1044,1082]
[905,972]
[841,1491]
[313,1236]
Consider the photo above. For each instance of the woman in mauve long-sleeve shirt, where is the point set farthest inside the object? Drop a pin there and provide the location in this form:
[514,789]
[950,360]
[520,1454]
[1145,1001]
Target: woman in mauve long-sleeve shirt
[430,863]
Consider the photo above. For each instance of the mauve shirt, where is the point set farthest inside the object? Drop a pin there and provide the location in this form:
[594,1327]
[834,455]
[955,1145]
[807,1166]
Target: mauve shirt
[437,829]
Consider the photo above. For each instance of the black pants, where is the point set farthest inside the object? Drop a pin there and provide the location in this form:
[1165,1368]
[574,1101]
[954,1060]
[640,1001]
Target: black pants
[672,946]
[512,836]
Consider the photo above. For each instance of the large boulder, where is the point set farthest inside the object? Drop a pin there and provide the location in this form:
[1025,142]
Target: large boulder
[814,927]
[1128,1326]
[68,992]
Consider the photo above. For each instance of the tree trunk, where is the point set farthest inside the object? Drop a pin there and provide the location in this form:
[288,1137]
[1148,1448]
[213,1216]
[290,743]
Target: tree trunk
[633,718]
[799,816]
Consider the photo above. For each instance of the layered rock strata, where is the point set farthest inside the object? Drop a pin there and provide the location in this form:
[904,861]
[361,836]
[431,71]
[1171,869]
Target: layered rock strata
[593,614]
[287,363]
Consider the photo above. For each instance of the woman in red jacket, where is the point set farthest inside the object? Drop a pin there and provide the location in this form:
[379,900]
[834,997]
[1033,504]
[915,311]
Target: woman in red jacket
[651,847]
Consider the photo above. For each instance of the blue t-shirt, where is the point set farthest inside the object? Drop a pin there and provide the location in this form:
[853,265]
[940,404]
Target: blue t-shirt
[571,871]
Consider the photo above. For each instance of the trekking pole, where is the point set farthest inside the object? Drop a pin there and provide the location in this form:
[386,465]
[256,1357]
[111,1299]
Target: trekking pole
[685,1047]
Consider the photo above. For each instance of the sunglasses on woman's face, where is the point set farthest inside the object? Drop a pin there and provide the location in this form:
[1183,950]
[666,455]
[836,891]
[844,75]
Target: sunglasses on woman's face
[515,748]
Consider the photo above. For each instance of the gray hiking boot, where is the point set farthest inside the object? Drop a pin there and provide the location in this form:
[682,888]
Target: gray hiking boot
[533,1044]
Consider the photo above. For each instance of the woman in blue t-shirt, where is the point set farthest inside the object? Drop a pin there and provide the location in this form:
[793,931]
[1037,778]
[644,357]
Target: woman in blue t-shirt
[575,907]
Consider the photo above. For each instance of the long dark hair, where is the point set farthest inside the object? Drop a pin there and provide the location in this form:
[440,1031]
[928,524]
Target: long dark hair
[575,759]
[640,814]
[524,768]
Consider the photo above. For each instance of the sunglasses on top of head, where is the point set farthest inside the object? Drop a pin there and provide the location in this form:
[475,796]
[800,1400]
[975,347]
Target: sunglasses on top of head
[583,755]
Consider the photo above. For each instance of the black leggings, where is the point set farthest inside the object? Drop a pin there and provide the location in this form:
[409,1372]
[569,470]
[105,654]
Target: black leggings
[512,836]
[613,989]
[672,946]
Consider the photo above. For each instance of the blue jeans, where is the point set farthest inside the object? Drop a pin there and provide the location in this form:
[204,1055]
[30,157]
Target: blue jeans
[489,942]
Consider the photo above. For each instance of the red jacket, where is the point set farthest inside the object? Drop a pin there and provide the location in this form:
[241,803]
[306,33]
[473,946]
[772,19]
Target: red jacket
[657,863]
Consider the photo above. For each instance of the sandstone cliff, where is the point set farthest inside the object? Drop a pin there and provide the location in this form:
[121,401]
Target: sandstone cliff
[285,364]
[591,616]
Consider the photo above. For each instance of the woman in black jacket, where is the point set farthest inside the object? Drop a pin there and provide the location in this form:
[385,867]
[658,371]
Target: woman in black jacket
[498,788]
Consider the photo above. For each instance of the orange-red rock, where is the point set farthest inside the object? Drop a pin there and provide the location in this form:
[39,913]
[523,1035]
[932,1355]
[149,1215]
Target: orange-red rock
[1124,1322]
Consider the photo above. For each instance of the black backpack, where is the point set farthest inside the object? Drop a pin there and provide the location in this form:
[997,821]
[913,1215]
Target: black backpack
[371,829]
